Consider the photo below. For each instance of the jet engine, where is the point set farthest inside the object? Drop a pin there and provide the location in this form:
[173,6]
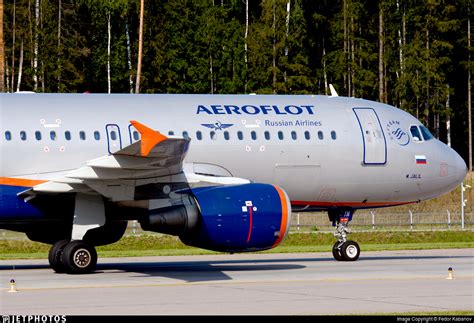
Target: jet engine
[237,218]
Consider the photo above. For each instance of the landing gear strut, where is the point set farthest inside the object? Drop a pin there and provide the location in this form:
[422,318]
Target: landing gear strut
[75,257]
[343,249]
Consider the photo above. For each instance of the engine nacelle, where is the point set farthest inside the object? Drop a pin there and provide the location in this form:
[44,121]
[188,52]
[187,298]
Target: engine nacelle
[248,217]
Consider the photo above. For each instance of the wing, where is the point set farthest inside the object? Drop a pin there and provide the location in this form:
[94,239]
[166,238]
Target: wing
[139,171]
[116,175]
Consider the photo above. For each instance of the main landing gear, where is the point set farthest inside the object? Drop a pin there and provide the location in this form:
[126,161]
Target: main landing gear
[75,256]
[72,257]
[343,249]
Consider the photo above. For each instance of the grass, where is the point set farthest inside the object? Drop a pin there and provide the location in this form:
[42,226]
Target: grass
[164,245]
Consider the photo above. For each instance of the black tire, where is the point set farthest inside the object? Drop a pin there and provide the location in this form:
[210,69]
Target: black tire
[350,251]
[336,252]
[54,256]
[79,258]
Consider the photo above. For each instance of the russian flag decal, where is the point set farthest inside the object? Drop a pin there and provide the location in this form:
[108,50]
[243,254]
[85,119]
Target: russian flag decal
[420,159]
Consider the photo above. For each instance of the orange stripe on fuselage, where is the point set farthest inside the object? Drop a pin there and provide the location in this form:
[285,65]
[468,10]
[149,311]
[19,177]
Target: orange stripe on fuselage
[284,216]
[20,182]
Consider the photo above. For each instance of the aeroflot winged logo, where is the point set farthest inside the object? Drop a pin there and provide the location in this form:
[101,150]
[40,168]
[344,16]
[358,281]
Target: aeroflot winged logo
[217,126]
[255,109]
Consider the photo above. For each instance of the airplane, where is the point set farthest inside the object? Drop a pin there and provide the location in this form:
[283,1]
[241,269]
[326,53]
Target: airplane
[221,172]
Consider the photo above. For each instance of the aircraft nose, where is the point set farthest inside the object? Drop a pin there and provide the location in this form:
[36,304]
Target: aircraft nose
[461,168]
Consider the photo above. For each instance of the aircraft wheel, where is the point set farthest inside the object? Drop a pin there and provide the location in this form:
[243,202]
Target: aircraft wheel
[79,258]
[350,251]
[54,256]
[336,252]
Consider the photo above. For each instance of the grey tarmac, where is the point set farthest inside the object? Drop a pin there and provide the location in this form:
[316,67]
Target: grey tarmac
[246,284]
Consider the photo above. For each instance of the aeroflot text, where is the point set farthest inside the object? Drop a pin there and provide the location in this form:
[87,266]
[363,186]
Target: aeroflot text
[255,109]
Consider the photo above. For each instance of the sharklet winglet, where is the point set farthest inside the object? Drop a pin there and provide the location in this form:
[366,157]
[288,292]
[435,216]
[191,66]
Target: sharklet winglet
[150,138]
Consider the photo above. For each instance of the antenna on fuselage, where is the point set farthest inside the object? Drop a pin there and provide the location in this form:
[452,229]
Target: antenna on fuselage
[333,91]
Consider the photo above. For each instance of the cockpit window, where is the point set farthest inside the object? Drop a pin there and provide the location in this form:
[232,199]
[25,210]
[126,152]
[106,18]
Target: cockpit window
[415,133]
[426,133]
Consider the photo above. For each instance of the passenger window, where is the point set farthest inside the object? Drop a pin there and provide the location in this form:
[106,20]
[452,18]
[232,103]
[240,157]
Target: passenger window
[113,135]
[67,135]
[426,133]
[8,135]
[213,135]
[267,135]
[136,136]
[307,135]
[333,135]
[280,135]
[38,135]
[226,135]
[320,135]
[253,134]
[240,135]
[199,135]
[415,133]
[185,135]
[52,135]
[170,133]
[82,135]
[23,135]
[293,135]
[96,135]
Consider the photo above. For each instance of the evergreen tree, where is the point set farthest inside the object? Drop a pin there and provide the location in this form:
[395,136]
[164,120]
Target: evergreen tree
[299,79]
[410,53]
[266,49]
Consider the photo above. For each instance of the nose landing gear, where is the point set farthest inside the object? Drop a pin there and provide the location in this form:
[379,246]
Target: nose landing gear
[343,249]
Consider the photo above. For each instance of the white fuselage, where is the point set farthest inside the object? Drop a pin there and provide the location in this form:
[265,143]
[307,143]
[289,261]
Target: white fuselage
[324,151]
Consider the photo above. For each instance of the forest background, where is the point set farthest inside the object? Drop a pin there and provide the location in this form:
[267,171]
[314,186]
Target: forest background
[413,54]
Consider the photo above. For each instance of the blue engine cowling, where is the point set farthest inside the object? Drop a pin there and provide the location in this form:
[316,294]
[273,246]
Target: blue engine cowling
[248,217]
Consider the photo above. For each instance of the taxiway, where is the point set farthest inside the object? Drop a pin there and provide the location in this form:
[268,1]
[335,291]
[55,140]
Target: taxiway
[246,284]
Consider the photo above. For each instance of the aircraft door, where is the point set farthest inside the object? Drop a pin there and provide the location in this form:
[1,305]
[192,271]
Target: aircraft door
[114,138]
[373,138]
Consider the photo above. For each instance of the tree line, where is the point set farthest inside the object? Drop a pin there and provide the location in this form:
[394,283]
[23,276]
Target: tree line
[413,54]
